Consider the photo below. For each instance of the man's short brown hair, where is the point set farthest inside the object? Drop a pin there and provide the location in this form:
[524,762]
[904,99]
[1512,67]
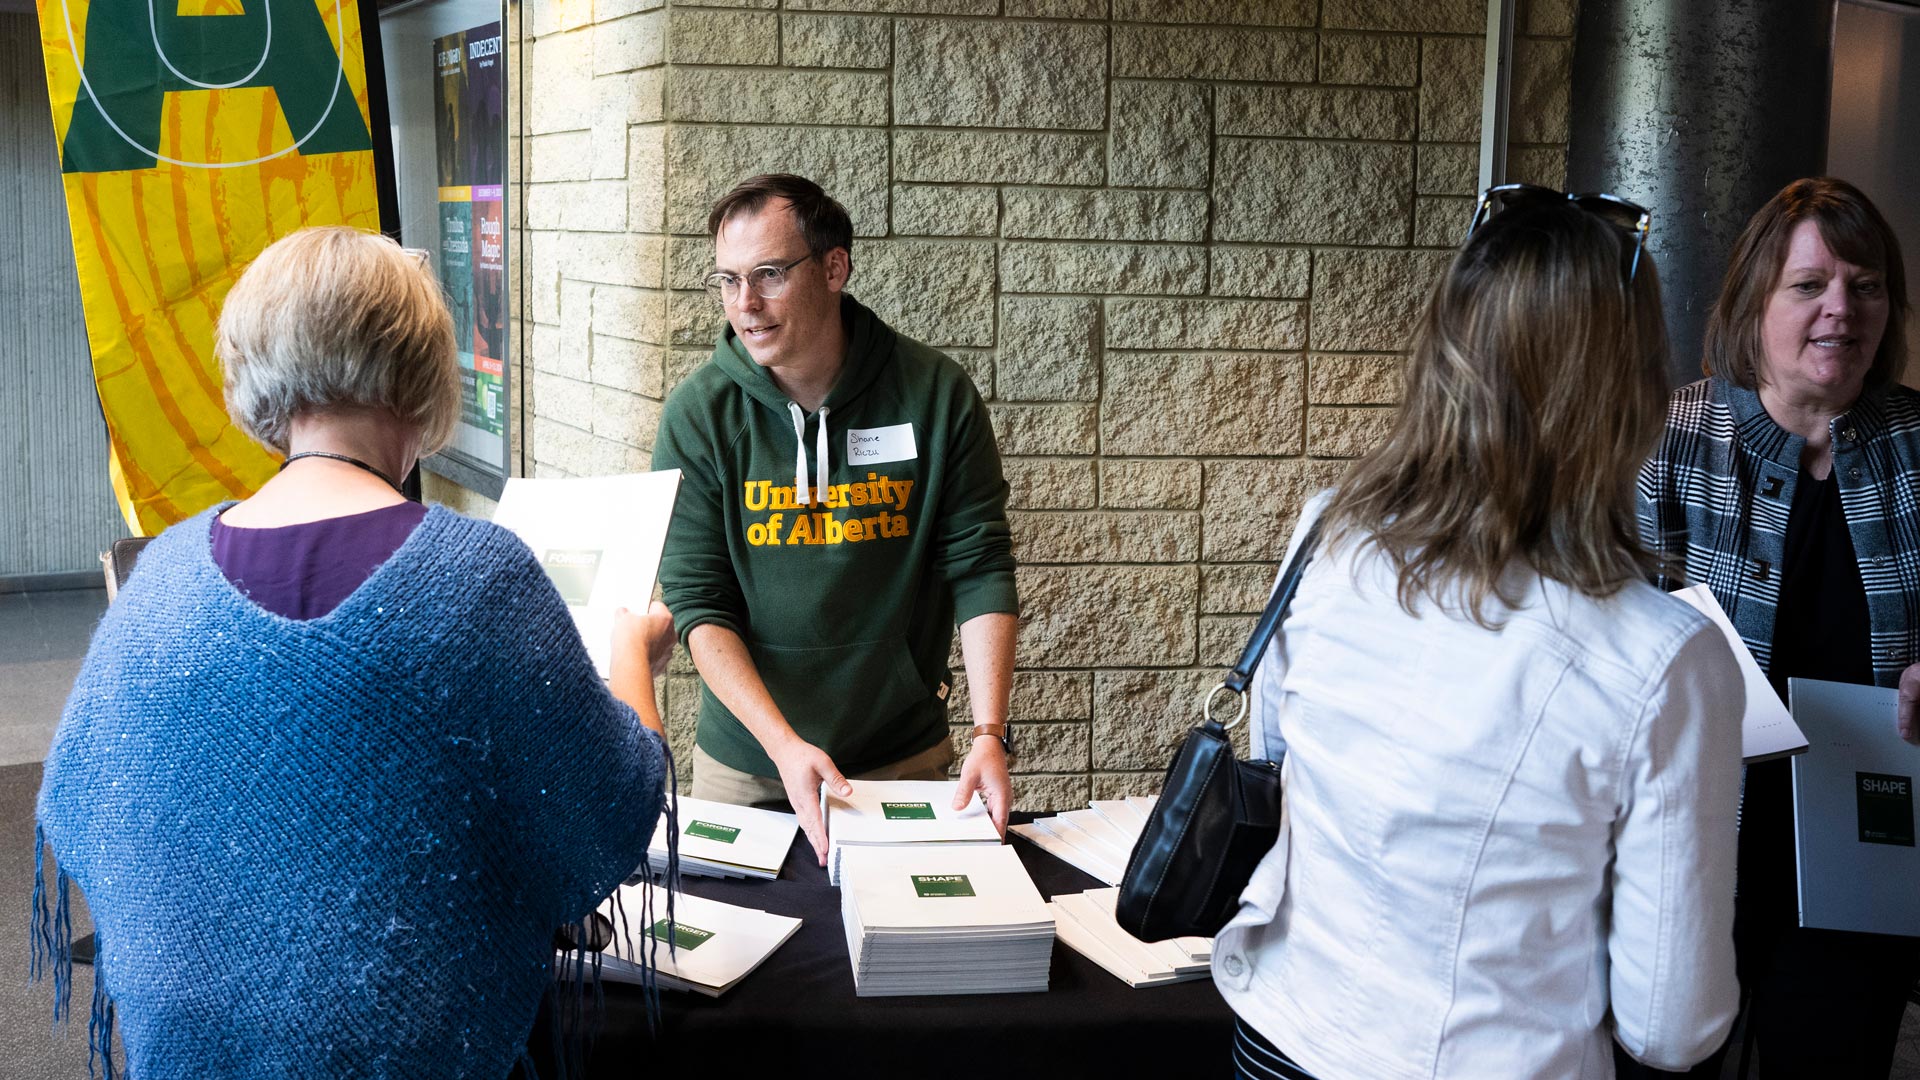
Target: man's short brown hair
[1853,230]
[823,222]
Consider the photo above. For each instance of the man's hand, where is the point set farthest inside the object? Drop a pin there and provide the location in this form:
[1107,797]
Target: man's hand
[803,767]
[985,771]
[1906,716]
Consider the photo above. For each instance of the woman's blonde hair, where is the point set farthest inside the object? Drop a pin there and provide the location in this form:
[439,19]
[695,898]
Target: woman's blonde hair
[330,317]
[1536,388]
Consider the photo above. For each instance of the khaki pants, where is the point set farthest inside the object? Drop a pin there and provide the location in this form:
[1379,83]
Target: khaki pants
[722,783]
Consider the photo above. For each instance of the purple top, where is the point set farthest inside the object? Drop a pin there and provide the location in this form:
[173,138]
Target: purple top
[304,571]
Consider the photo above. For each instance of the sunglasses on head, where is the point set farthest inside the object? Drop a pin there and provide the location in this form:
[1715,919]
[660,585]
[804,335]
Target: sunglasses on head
[1612,209]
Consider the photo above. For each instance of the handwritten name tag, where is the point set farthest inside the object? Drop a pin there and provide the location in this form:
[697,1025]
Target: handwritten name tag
[871,446]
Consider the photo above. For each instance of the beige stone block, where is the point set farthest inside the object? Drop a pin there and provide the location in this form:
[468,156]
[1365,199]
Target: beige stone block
[1050,792]
[542,262]
[634,314]
[1040,483]
[939,292]
[1448,169]
[1368,300]
[1548,18]
[1079,616]
[630,259]
[637,97]
[1103,268]
[945,210]
[723,37]
[999,74]
[1141,717]
[1191,52]
[1312,112]
[1347,431]
[580,453]
[1119,785]
[693,318]
[1043,748]
[608,153]
[689,261]
[727,95]
[576,330]
[901,7]
[1057,9]
[1043,537]
[647,178]
[1251,506]
[1277,191]
[1219,12]
[1046,429]
[1162,404]
[1205,324]
[1107,214]
[1042,696]
[1451,74]
[1160,132]
[704,162]
[1433,16]
[1336,379]
[978,364]
[1542,91]
[1150,484]
[1222,637]
[591,206]
[1440,221]
[544,18]
[1369,60]
[835,41]
[998,157]
[628,365]
[563,65]
[637,41]
[566,155]
[624,417]
[1543,165]
[562,400]
[1049,349]
[614,9]
[1235,588]
[1266,272]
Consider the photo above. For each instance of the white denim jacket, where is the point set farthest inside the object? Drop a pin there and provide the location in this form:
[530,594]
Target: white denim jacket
[1503,849]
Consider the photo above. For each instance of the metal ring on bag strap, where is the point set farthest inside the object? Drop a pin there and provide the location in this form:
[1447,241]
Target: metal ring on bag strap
[1206,705]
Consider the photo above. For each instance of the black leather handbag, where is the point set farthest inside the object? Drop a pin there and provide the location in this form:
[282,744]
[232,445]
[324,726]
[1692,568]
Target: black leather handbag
[1217,816]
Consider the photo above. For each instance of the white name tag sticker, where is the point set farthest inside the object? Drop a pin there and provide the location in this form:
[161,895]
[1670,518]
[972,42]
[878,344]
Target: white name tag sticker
[871,446]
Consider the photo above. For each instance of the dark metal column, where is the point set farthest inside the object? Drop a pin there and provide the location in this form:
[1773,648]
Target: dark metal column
[1701,110]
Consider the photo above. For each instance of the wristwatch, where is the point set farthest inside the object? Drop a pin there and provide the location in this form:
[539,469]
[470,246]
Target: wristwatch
[1003,732]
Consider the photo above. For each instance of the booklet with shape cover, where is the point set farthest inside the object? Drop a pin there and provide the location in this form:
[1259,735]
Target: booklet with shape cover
[943,919]
[723,840]
[1767,729]
[894,812]
[599,539]
[715,945]
[1853,813]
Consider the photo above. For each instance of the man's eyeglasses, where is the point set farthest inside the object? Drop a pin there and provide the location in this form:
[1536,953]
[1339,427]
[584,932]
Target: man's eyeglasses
[1613,209]
[767,282]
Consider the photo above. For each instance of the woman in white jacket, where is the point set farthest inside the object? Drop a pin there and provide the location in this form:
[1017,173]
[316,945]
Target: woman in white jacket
[1511,764]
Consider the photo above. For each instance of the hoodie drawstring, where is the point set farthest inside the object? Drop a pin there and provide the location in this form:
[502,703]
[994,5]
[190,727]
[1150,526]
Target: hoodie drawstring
[800,494]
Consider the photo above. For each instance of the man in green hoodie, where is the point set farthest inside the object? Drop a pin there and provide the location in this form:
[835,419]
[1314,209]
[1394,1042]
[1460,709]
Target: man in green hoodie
[818,597]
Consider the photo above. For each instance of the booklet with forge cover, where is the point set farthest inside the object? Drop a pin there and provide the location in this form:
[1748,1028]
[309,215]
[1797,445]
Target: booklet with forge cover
[722,840]
[892,812]
[715,945]
[1767,730]
[599,538]
[943,919]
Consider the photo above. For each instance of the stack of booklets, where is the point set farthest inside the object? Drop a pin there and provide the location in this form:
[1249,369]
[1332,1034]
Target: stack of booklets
[888,813]
[722,840]
[714,945]
[1086,923]
[1097,841]
[943,919]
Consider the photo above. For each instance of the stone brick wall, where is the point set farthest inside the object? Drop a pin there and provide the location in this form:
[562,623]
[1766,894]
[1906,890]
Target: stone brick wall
[1177,243]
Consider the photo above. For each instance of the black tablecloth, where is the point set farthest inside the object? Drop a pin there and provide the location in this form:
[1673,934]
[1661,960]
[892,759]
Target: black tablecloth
[796,1015]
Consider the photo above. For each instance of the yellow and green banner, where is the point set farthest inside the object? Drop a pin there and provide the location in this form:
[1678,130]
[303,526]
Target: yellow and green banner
[192,134]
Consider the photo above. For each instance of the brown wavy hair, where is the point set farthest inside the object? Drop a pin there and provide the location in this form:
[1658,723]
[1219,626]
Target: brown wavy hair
[1536,388]
[1852,228]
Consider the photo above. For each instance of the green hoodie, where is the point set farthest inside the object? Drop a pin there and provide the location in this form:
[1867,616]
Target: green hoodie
[847,595]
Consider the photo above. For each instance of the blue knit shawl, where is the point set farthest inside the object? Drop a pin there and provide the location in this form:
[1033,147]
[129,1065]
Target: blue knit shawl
[338,847]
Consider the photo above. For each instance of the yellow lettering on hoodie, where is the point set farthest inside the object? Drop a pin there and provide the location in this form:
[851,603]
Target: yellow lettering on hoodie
[901,489]
[757,488]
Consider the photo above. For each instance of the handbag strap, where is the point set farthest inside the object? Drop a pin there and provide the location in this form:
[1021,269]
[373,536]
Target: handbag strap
[1274,615]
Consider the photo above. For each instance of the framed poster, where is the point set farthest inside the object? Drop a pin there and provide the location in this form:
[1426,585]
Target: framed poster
[446,64]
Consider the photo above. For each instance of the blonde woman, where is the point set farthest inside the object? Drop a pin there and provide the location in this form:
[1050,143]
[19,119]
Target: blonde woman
[1511,763]
[337,765]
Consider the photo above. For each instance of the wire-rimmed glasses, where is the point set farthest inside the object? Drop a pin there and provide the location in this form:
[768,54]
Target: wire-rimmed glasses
[767,282]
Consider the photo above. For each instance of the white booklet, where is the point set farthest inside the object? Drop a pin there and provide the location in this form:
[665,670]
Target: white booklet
[889,812]
[723,840]
[1853,816]
[599,538]
[943,919]
[714,945]
[1085,921]
[1767,730]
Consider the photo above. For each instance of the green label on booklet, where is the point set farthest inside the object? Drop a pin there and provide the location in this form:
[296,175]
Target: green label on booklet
[907,811]
[572,571]
[684,936]
[1886,808]
[926,885]
[707,830]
